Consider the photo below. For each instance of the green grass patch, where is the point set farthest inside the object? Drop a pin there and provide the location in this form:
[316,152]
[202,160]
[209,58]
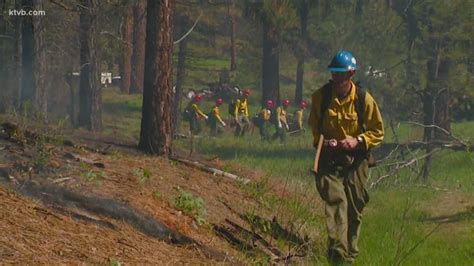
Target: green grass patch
[122,113]
[454,170]
[396,231]
[191,205]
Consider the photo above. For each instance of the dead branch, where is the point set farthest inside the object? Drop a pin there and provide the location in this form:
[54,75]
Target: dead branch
[85,160]
[87,148]
[400,166]
[258,240]
[61,180]
[189,31]
[295,252]
[414,145]
[211,170]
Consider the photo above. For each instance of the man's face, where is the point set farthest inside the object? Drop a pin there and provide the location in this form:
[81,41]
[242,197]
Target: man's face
[341,78]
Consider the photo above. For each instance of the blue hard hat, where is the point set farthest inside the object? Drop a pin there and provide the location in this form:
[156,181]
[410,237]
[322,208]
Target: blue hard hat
[343,61]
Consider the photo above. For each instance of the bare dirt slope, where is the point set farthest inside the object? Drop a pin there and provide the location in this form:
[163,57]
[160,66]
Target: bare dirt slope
[63,231]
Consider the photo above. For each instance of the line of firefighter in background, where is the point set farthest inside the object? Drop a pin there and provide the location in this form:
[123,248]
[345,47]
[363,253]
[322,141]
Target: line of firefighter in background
[270,114]
[241,114]
[194,114]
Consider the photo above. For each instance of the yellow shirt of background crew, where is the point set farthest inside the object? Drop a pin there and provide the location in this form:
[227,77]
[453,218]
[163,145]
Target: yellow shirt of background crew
[281,115]
[341,121]
[216,114]
[265,114]
[241,107]
[299,118]
[198,111]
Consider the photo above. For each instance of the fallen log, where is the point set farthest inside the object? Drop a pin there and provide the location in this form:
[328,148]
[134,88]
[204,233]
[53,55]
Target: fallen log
[85,160]
[103,151]
[258,241]
[455,146]
[211,170]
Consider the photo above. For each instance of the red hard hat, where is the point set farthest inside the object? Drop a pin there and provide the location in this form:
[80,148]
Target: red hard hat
[197,97]
[247,92]
[269,103]
[219,101]
[286,102]
[303,104]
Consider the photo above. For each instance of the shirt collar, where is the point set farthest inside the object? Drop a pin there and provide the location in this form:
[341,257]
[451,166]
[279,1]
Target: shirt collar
[349,98]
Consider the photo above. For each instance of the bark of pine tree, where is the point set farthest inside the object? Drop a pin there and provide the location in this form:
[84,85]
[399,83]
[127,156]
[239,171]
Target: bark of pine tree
[138,57]
[17,71]
[33,92]
[3,55]
[303,13]
[127,49]
[90,95]
[270,63]
[27,91]
[180,75]
[233,31]
[39,67]
[156,130]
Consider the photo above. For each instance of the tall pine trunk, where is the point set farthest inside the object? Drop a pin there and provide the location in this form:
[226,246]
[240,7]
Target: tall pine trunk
[17,72]
[138,57]
[233,30]
[127,40]
[90,96]
[270,63]
[39,67]
[156,131]
[33,95]
[3,57]
[303,13]
[27,91]
[180,75]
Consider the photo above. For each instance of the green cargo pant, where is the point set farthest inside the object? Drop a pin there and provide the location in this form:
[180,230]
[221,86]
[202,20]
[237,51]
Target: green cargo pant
[344,192]
[242,126]
[264,131]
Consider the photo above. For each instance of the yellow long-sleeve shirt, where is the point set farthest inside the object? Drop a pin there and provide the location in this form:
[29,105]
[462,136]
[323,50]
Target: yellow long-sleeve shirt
[299,114]
[265,114]
[281,115]
[341,121]
[241,107]
[216,114]
[198,111]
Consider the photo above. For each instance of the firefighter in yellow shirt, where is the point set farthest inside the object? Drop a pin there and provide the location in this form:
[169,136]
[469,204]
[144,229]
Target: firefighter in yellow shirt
[281,123]
[264,120]
[193,114]
[298,123]
[215,120]
[350,123]
[241,114]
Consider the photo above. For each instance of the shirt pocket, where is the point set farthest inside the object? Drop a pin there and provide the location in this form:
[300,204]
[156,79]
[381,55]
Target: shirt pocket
[349,123]
[332,121]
